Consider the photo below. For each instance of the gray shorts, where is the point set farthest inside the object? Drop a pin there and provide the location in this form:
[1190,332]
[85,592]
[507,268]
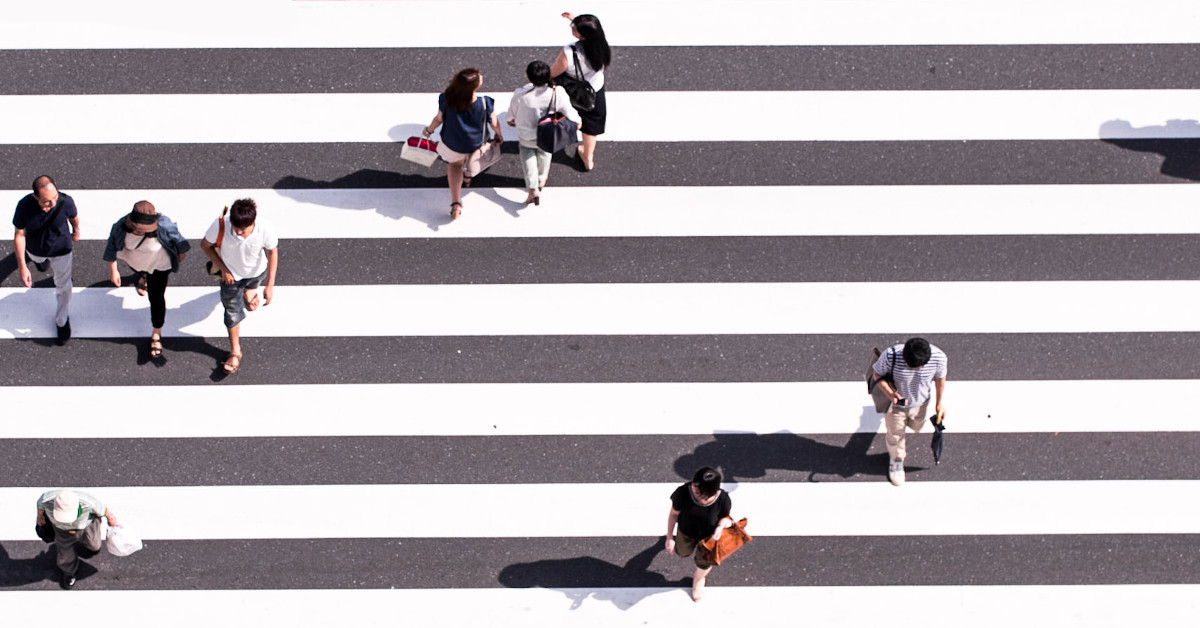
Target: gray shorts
[234,302]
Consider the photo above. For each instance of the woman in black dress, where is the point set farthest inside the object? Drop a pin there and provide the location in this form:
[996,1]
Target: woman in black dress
[701,509]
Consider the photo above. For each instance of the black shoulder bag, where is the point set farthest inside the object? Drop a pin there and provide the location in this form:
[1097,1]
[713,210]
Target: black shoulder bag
[882,401]
[583,97]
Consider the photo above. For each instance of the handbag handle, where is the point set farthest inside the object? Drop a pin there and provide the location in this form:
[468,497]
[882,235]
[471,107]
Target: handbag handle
[578,70]
[485,119]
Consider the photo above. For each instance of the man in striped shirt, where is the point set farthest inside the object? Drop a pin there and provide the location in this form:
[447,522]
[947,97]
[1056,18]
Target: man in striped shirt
[913,365]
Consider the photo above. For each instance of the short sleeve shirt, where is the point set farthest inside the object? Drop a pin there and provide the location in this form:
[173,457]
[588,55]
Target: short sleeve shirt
[89,508]
[912,384]
[46,236]
[245,257]
[463,131]
[696,521]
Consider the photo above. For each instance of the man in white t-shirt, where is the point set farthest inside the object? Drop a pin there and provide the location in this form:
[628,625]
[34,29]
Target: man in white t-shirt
[246,251]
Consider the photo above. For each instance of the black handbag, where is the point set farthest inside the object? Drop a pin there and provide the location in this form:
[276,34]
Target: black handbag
[45,532]
[882,401]
[583,97]
[210,267]
[555,131]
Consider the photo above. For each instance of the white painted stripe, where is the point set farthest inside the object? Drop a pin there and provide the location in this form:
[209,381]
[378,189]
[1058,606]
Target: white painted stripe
[552,510]
[628,309]
[1072,606]
[992,407]
[827,116]
[676,211]
[278,23]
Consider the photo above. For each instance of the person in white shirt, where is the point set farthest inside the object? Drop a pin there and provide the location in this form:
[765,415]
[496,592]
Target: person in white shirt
[151,245]
[530,103]
[594,56]
[246,251]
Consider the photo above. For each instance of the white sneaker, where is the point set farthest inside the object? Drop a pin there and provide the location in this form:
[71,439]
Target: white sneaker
[896,472]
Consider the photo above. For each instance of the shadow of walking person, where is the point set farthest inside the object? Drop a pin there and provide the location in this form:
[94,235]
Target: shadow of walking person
[783,455]
[585,577]
[19,572]
[1178,141]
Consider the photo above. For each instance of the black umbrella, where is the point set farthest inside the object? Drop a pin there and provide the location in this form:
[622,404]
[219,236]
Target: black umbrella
[938,443]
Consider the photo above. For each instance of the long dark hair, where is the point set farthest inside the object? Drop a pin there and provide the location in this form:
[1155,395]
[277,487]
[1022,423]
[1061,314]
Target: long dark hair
[592,41]
[461,90]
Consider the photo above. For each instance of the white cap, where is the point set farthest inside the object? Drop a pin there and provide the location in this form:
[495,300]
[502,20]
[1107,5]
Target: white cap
[66,507]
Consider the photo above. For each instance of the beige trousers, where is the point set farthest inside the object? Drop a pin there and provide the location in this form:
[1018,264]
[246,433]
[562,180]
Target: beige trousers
[896,419]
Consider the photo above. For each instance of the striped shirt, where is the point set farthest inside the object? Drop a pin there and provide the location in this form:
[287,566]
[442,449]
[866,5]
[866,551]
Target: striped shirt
[89,508]
[912,384]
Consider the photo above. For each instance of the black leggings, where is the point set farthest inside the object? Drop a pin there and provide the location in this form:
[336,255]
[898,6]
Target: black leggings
[156,289]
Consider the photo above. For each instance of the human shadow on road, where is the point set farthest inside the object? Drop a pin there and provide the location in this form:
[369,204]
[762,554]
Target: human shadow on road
[18,572]
[748,455]
[30,312]
[581,578]
[1178,141]
[377,190]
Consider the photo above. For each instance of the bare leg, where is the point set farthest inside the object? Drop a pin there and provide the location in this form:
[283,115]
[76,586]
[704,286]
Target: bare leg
[587,151]
[698,583]
[454,172]
[235,350]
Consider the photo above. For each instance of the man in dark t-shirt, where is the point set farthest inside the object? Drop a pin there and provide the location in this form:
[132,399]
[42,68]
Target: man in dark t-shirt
[47,225]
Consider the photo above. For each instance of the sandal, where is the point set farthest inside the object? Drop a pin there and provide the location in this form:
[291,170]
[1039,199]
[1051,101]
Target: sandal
[140,284]
[156,347]
[455,212]
[232,363]
[466,181]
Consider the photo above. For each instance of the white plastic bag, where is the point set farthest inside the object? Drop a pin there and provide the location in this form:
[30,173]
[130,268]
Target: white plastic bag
[122,542]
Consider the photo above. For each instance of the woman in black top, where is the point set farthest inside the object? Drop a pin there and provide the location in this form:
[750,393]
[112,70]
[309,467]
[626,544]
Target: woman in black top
[701,508]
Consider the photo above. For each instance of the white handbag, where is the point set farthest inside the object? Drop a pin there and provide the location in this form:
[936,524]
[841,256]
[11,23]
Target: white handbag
[121,542]
[419,151]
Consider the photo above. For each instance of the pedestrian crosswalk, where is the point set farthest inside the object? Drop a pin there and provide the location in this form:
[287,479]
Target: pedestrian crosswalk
[481,421]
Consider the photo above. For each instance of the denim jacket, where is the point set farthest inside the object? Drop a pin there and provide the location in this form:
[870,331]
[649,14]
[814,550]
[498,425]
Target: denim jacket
[168,236]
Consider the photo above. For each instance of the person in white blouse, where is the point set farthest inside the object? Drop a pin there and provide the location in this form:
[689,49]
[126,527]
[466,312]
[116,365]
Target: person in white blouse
[151,245]
[594,56]
[530,103]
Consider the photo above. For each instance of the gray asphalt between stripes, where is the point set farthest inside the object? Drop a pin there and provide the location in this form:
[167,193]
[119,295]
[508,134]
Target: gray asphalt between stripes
[668,358]
[592,459]
[378,165]
[644,68]
[730,259]
[590,562]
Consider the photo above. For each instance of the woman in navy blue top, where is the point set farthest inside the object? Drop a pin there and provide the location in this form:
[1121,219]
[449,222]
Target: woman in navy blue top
[462,116]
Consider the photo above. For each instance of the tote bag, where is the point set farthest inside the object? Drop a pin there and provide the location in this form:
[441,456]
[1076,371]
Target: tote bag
[419,151]
[487,155]
[555,131]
